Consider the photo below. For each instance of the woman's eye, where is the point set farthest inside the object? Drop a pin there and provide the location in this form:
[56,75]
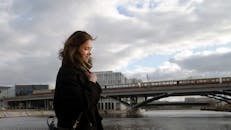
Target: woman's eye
[87,49]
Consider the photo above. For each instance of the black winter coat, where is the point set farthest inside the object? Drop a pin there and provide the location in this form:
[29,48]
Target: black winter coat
[75,94]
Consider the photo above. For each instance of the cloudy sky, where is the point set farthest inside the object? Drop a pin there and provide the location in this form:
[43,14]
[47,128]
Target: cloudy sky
[147,39]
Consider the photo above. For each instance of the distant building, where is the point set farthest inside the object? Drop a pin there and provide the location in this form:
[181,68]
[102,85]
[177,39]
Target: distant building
[6,91]
[110,78]
[134,80]
[105,78]
[199,99]
[24,90]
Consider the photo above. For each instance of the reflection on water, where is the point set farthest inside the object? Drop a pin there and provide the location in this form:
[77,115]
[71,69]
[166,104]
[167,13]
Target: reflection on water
[173,120]
[152,120]
[23,123]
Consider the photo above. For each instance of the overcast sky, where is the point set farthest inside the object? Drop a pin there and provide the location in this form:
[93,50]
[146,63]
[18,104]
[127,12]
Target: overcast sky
[154,39]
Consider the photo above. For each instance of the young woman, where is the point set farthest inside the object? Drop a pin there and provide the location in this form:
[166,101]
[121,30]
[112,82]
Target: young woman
[77,92]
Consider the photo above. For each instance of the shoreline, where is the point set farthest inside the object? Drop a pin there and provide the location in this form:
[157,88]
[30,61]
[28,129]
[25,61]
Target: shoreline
[47,113]
[25,113]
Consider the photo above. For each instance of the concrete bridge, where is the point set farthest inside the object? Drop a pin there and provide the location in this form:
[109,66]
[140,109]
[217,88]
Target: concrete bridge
[141,94]
[130,96]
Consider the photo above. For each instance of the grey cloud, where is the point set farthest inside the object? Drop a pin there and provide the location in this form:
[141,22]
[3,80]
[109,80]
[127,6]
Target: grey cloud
[197,66]
[50,22]
[209,18]
[210,63]
[30,69]
[41,16]
[121,32]
[162,29]
[46,23]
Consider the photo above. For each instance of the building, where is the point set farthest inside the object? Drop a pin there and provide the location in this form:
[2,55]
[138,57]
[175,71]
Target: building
[109,77]
[110,105]
[112,78]
[200,99]
[24,90]
[105,78]
[6,92]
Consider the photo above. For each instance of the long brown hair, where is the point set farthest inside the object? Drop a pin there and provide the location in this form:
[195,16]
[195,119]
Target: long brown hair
[70,54]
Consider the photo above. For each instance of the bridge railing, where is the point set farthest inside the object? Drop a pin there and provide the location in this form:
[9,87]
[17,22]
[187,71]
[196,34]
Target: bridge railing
[204,81]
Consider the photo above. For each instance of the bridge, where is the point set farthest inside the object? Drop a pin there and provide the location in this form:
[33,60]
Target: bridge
[142,94]
[162,103]
[129,95]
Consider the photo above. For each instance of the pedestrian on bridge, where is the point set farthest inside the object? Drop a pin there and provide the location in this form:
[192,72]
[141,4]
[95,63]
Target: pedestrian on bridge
[77,91]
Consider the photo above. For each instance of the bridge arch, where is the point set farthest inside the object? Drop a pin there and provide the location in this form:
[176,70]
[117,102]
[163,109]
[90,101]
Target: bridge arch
[220,92]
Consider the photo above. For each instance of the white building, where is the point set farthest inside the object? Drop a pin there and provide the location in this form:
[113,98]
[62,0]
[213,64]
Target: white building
[109,77]
[5,92]
[105,78]
[112,78]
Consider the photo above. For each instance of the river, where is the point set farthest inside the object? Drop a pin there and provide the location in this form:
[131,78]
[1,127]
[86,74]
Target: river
[150,120]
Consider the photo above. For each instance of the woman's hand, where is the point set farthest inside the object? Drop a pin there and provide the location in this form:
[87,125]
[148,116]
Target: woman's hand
[92,77]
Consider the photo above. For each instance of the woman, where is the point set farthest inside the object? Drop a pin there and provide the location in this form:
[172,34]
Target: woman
[77,92]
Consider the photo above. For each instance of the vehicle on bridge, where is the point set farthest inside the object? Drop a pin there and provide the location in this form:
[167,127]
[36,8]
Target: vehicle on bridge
[220,80]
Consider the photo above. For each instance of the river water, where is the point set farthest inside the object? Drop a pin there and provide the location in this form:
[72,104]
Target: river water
[150,120]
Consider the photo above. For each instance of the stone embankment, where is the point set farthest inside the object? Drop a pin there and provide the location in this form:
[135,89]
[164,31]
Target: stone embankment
[21,113]
[46,113]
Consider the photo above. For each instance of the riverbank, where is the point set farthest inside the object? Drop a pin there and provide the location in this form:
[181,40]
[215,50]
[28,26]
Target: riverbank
[226,108]
[217,109]
[46,113]
[25,113]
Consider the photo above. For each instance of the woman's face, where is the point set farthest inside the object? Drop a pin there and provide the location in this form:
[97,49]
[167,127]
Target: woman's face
[85,50]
